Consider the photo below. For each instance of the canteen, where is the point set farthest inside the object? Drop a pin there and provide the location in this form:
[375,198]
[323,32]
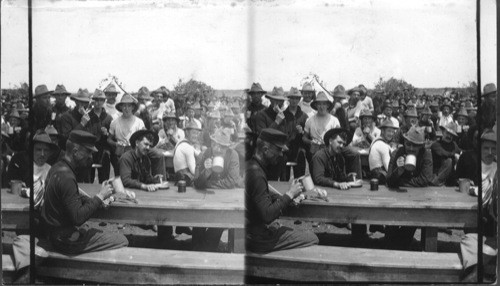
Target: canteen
[410,162]
[218,164]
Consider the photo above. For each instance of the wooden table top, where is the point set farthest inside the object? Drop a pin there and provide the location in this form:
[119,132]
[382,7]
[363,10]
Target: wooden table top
[430,206]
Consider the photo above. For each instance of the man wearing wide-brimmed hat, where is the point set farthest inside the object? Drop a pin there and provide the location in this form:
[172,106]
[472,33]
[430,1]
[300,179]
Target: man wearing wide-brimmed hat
[66,209]
[99,125]
[254,100]
[338,110]
[365,100]
[76,119]
[426,122]
[295,121]
[317,125]
[20,163]
[111,93]
[124,126]
[271,117]
[308,95]
[189,117]
[143,99]
[42,111]
[417,174]
[170,134]
[365,134]
[488,107]
[136,168]
[446,113]
[263,206]
[60,95]
[185,154]
[445,154]
[380,151]
[207,239]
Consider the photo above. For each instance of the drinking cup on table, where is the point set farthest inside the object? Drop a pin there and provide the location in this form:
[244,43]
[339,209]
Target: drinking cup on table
[351,177]
[410,162]
[218,164]
[16,187]
[307,182]
[118,185]
[463,185]
[373,185]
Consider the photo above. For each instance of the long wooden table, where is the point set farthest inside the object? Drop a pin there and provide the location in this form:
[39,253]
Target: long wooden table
[429,208]
[197,208]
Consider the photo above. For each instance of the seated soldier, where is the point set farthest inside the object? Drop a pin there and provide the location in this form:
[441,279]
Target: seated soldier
[380,151]
[135,165]
[417,175]
[263,207]
[367,132]
[170,135]
[43,147]
[65,209]
[207,239]
[469,242]
[185,154]
[445,154]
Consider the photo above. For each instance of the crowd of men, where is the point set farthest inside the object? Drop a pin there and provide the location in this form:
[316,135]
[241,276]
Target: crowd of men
[406,138]
[146,139]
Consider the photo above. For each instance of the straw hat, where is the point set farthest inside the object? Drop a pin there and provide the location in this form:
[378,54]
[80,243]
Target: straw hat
[416,135]
[111,88]
[411,113]
[172,115]
[321,98]
[192,126]
[388,124]
[451,127]
[307,87]
[221,137]
[127,98]
[276,94]
[81,96]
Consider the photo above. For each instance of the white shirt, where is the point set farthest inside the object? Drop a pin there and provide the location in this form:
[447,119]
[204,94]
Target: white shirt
[40,172]
[368,103]
[316,127]
[185,157]
[122,128]
[380,155]
[359,139]
[445,120]
[307,109]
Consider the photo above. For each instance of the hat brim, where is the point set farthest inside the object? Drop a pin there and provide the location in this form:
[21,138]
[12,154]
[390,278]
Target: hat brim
[61,93]
[405,136]
[449,130]
[119,106]
[314,104]
[52,145]
[143,132]
[44,93]
[332,132]
[276,97]
[90,147]
[80,99]
[227,144]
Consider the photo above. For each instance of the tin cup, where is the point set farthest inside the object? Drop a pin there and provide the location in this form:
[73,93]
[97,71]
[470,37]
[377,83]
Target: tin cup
[118,185]
[463,185]
[16,186]
[410,162]
[307,182]
[429,129]
[218,164]
[181,186]
[373,185]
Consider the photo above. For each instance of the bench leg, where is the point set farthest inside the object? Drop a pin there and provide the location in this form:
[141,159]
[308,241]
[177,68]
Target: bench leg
[236,239]
[429,239]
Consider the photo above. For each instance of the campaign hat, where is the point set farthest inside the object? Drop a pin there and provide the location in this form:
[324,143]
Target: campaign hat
[83,138]
[277,94]
[82,95]
[274,137]
[256,88]
[321,97]
[143,132]
[332,133]
[416,135]
[41,90]
[127,98]
[60,90]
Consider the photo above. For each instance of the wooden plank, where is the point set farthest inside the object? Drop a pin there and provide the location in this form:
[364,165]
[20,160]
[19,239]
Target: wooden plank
[327,263]
[8,263]
[237,240]
[146,266]
[429,237]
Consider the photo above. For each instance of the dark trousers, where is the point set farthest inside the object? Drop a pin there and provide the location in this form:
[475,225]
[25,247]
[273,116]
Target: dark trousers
[399,237]
[443,173]
[206,239]
[82,239]
[263,239]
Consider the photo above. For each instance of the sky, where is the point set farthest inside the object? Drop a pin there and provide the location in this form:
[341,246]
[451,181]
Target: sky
[230,44]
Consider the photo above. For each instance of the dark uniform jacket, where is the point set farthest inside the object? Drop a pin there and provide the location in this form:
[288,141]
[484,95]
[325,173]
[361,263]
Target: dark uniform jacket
[422,176]
[327,169]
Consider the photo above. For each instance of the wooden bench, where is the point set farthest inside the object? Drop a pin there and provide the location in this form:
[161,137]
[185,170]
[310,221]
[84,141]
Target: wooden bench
[8,269]
[330,263]
[146,266]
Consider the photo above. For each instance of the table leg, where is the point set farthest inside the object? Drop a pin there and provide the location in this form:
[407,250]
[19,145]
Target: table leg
[429,239]
[236,240]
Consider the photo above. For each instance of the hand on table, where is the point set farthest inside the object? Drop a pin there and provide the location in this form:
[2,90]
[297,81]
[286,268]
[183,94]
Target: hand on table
[150,188]
[343,186]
